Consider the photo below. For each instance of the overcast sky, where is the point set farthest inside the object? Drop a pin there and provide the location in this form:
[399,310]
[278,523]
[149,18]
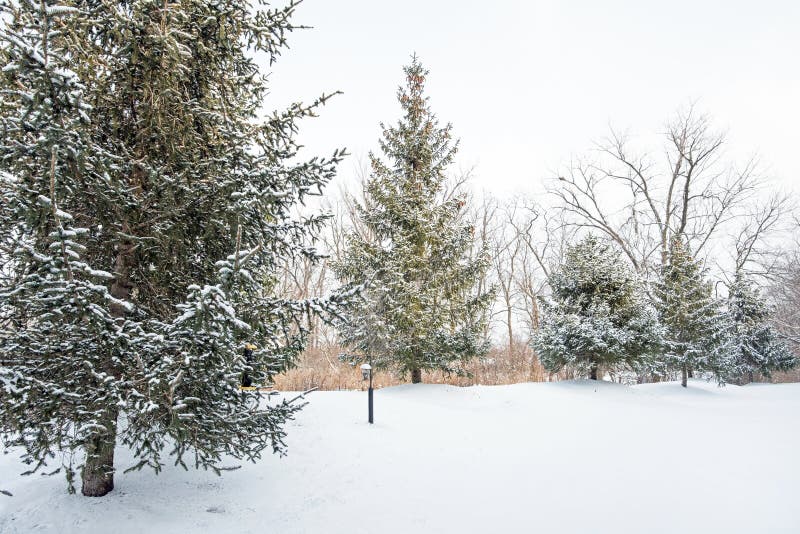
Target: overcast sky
[526,85]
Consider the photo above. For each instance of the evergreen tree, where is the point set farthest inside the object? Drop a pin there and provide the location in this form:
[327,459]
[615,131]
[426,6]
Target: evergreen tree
[597,315]
[696,329]
[420,311]
[145,210]
[756,345]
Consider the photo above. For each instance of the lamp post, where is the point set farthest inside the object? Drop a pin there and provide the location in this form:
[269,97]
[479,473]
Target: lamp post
[366,374]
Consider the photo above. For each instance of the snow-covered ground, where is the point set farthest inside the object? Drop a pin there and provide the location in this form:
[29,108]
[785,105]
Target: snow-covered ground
[566,457]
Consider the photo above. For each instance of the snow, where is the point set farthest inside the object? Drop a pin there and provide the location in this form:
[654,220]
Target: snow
[562,457]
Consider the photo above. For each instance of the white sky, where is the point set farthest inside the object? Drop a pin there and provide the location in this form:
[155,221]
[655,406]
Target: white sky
[528,84]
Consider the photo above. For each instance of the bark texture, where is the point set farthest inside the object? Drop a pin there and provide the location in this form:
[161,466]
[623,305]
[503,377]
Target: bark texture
[98,471]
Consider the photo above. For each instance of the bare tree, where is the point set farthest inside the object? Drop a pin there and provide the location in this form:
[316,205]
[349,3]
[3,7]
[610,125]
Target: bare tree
[784,292]
[755,253]
[543,237]
[524,239]
[483,214]
[642,202]
[506,249]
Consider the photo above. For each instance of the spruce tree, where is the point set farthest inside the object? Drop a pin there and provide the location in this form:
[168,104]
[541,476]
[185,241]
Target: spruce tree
[597,315]
[420,311]
[696,329]
[145,211]
[756,346]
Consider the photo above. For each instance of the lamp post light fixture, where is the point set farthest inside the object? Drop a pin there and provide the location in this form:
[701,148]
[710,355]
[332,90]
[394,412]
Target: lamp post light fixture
[366,374]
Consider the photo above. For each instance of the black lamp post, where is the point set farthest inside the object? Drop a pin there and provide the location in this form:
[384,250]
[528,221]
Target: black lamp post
[366,374]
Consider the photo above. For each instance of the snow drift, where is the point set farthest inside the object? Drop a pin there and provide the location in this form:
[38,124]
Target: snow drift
[564,457]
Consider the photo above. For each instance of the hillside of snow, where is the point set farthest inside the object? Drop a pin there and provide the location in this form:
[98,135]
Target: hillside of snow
[572,457]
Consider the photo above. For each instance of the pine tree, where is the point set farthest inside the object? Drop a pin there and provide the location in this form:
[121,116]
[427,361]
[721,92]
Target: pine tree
[696,329]
[756,345]
[420,311]
[598,314]
[145,211]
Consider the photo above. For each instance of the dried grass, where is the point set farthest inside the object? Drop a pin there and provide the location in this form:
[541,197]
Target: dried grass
[320,368]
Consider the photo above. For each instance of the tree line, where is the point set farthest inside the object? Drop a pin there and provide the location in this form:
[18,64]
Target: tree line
[643,272]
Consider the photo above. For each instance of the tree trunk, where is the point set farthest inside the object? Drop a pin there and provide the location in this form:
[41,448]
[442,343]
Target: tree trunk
[684,375]
[691,372]
[593,371]
[416,376]
[509,322]
[121,286]
[98,471]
